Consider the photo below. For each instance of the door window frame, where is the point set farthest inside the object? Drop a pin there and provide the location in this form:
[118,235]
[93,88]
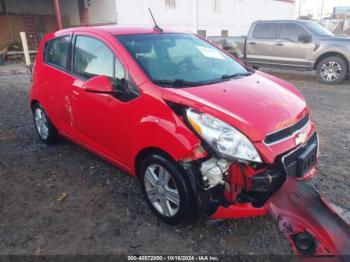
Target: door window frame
[72,56]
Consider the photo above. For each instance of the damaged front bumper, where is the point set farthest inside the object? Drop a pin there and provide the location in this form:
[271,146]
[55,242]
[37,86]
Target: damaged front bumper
[239,190]
[281,190]
[311,225]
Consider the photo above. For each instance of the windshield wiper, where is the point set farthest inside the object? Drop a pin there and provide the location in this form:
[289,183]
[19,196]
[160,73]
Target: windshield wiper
[236,75]
[177,82]
[184,83]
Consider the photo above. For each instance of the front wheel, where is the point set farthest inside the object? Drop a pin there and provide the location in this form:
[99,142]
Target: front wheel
[166,190]
[332,70]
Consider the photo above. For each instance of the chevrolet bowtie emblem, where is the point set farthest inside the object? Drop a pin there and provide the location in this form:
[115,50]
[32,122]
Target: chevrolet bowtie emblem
[300,138]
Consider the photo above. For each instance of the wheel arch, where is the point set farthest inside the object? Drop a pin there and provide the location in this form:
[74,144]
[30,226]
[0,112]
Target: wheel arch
[329,54]
[142,155]
[33,103]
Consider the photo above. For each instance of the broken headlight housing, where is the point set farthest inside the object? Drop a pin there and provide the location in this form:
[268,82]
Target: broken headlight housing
[223,138]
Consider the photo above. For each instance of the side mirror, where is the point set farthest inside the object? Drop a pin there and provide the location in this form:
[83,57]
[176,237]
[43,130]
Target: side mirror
[99,84]
[304,38]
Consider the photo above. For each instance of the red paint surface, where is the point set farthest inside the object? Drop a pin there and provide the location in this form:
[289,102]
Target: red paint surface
[239,210]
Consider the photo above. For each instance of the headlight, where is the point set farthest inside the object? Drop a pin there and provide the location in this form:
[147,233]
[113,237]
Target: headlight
[225,139]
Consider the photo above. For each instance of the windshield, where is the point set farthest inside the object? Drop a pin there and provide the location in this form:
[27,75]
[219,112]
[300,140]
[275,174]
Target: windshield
[318,29]
[181,59]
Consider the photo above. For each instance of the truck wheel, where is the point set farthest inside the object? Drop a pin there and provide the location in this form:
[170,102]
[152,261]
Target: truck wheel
[45,129]
[332,70]
[166,190]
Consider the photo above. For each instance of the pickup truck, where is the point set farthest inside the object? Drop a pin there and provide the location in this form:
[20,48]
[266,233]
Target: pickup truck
[292,44]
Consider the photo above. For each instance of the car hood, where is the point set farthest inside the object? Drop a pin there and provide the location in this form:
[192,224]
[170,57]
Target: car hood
[336,38]
[256,105]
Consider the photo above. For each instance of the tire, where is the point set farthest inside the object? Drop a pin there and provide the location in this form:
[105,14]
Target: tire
[162,196]
[332,70]
[43,126]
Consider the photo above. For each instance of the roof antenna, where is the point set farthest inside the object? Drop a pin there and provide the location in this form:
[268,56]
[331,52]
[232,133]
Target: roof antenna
[156,27]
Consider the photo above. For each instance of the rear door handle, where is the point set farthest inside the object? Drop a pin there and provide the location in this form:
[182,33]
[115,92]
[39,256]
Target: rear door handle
[279,44]
[252,43]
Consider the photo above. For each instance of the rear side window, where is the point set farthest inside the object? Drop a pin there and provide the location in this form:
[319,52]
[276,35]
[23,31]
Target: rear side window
[265,30]
[92,57]
[56,52]
[292,32]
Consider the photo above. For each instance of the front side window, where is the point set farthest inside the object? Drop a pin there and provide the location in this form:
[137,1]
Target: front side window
[265,30]
[92,57]
[292,32]
[119,75]
[317,29]
[180,57]
[57,50]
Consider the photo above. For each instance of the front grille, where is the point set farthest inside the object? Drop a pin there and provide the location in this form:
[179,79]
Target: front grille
[287,132]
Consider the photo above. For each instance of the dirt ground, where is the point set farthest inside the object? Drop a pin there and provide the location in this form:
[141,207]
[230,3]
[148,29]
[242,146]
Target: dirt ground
[104,212]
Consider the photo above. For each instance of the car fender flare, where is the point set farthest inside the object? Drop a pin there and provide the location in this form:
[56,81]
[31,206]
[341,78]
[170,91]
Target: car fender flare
[332,52]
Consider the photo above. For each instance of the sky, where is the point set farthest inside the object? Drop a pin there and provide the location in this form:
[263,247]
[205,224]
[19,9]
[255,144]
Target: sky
[315,6]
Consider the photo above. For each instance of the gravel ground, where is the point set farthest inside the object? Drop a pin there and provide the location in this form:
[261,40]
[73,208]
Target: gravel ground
[104,212]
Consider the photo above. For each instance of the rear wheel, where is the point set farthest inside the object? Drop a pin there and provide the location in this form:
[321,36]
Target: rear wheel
[332,70]
[166,190]
[45,129]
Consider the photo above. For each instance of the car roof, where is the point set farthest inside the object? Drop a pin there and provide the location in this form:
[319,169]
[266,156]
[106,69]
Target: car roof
[122,30]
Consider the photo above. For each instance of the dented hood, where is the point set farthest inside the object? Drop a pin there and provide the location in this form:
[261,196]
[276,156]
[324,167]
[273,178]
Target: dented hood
[256,105]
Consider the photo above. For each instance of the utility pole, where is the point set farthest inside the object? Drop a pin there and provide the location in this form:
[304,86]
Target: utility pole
[58,13]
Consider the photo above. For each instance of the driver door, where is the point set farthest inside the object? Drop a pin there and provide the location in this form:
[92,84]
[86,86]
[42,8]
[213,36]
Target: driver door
[294,46]
[99,119]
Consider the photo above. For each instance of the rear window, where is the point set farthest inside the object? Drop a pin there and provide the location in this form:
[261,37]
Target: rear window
[265,30]
[57,51]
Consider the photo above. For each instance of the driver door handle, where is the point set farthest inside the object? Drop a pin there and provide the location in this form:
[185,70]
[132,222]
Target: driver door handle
[78,83]
[279,44]
[77,87]
[252,43]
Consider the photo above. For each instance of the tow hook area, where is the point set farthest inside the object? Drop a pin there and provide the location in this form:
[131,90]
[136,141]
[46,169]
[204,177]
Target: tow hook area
[310,224]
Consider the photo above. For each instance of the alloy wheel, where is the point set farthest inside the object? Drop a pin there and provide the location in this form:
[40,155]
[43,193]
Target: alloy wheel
[41,123]
[330,71]
[161,190]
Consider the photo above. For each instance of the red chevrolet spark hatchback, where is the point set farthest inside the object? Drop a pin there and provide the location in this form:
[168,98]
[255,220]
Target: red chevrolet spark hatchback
[204,134]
